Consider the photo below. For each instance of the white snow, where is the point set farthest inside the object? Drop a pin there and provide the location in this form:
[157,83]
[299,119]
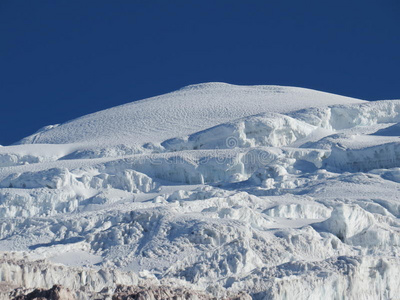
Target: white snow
[181,113]
[278,192]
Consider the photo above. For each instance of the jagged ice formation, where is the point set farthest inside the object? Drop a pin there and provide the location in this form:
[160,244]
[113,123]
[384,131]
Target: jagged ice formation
[272,192]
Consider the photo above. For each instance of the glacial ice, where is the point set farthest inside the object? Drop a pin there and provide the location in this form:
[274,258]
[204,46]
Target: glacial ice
[271,191]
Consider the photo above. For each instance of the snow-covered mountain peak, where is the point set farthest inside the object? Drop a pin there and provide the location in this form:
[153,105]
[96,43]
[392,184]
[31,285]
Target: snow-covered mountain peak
[182,113]
[260,192]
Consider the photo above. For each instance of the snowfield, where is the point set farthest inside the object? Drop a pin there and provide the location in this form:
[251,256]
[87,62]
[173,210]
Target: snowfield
[255,192]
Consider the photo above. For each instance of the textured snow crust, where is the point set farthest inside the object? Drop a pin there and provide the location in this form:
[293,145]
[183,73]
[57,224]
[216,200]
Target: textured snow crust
[186,111]
[275,192]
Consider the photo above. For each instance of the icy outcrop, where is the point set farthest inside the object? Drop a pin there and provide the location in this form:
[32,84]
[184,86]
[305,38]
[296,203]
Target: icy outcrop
[52,179]
[39,202]
[347,222]
[365,159]
[358,152]
[355,226]
[225,165]
[336,278]
[11,159]
[56,178]
[24,272]
[299,211]
[59,190]
[274,130]
[340,117]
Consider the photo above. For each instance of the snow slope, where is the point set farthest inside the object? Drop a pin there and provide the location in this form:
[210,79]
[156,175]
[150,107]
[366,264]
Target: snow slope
[277,192]
[188,110]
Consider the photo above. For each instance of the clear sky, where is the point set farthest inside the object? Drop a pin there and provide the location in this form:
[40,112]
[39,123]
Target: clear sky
[62,59]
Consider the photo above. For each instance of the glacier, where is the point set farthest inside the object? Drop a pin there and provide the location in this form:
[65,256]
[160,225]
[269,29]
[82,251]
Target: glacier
[211,191]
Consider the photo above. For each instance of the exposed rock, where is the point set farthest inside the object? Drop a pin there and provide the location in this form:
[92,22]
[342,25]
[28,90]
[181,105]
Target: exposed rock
[57,292]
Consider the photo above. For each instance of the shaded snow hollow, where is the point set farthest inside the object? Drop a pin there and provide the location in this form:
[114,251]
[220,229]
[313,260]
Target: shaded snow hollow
[267,191]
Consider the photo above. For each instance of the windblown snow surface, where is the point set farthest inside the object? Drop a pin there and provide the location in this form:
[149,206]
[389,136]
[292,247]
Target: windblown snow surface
[274,192]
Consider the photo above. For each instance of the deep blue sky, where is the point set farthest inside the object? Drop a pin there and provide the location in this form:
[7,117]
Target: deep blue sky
[63,59]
